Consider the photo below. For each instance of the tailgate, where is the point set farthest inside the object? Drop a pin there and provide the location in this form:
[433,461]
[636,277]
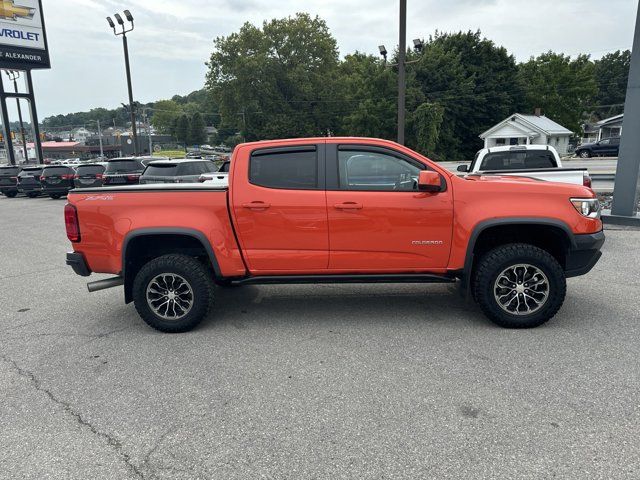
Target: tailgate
[574,176]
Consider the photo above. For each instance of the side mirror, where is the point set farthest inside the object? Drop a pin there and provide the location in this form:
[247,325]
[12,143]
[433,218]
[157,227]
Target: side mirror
[463,168]
[429,181]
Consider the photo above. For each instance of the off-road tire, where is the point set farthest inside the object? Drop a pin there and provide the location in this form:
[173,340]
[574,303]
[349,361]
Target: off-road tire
[194,272]
[495,261]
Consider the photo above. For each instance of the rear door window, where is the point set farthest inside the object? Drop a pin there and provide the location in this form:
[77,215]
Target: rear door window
[287,169]
[518,160]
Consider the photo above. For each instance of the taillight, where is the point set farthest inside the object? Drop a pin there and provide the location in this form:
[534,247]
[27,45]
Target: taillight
[99,176]
[586,180]
[76,176]
[133,177]
[14,178]
[67,176]
[71,223]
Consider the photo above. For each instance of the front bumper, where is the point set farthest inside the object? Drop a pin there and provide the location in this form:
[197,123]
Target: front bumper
[77,262]
[584,254]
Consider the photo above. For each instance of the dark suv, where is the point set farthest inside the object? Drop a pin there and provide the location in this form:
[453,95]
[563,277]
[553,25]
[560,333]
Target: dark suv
[125,171]
[29,181]
[57,180]
[607,147]
[176,171]
[9,180]
[89,175]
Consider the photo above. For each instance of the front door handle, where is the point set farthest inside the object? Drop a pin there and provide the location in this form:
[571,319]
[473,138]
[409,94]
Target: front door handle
[348,206]
[256,205]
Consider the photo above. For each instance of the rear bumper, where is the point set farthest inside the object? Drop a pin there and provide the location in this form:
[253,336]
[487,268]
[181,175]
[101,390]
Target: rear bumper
[29,188]
[63,190]
[585,254]
[77,262]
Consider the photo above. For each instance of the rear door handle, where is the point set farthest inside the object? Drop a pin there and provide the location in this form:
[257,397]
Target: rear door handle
[348,206]
[257,205]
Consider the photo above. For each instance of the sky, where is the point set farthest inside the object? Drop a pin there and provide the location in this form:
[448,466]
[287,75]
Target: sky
[173,38]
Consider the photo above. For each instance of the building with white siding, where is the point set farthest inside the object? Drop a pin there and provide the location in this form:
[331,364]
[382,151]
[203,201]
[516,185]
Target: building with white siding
[520,129]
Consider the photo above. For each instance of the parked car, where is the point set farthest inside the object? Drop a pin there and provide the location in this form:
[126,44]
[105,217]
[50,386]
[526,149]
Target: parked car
[29,181]
[176,171]
[607,147]
[57,180]
[194,155]
[126,170]
[533,161]
[9,180]
[337,210]
[88,175]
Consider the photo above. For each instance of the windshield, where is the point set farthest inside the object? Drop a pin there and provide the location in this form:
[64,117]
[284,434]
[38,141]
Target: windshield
[89,169]
[56,171]
[168,170]
[9,171]
[123,166]
[30,172]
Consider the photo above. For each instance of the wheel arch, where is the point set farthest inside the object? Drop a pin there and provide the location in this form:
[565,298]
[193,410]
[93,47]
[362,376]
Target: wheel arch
[177,239]
[516,229]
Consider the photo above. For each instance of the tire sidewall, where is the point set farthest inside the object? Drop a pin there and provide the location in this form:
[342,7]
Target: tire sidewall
[186,268]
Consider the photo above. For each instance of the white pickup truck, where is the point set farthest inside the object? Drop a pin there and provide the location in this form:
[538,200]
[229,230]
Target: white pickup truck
[534,161]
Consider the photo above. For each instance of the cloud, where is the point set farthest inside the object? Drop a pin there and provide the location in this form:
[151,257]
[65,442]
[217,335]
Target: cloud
[173,39]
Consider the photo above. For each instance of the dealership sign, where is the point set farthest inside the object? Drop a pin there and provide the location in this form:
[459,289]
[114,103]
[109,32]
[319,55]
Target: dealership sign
[23,40]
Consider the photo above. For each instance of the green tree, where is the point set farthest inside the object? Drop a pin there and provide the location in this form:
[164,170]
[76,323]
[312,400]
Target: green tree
[165,113]
[611,74]
[182,129]
[426,121]
[277,81]
[564,88]
[197,133]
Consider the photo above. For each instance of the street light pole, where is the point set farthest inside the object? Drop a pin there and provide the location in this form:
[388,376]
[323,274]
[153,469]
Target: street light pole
[100,139]
[402,52]
[125,45]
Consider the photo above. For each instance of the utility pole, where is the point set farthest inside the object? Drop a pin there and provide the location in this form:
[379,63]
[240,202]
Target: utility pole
[402,53]
[100,139]
[125,45]
[627,186]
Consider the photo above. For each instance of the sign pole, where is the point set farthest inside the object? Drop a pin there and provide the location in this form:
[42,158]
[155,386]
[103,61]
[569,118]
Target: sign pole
[34,120]
[5,125]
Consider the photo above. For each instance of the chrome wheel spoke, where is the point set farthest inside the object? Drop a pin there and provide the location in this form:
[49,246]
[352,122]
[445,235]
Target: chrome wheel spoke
[170,296]
[521,289]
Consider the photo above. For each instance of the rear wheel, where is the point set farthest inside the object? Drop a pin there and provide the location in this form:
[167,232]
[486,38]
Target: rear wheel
[585,154]
[173,293]
[519,285]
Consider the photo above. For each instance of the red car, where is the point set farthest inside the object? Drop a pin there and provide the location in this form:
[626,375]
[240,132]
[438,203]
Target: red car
[338,210]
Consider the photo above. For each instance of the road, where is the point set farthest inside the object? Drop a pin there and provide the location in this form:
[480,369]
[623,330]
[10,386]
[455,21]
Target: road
[310,382]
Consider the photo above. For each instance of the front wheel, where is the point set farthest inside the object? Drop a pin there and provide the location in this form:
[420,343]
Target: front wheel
[519,285]
[173,293]
[585,154]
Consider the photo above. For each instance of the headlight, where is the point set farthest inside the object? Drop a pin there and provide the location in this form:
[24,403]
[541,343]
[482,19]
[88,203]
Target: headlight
[588,207]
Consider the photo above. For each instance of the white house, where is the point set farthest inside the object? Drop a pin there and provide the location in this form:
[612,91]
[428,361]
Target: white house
[521,129]
[80,134]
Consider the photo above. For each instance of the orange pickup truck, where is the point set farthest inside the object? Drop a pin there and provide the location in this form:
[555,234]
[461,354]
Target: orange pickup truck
[336,210]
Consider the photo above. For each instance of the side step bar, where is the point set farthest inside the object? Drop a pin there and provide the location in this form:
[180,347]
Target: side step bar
[104,284]
[304,279]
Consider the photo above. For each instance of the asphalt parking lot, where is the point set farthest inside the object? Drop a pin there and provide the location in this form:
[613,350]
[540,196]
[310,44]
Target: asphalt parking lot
[302,382]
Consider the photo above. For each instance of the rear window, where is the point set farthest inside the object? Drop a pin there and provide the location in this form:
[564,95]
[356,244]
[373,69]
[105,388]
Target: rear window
[89,169]
[518,160]
[167,170]
[9,171]
[296,170]
[123,166]
[57,171]
[30,172]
